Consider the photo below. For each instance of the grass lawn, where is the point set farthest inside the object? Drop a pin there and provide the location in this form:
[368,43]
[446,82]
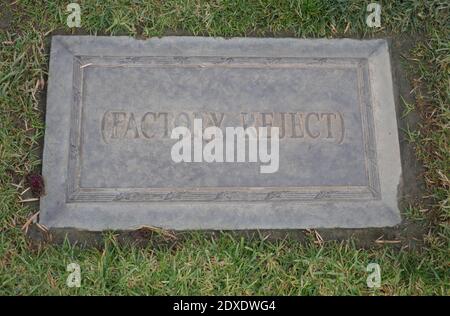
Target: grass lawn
[227,264]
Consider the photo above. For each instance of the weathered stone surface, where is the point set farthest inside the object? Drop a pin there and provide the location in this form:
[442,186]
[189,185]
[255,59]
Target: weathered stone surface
[113,101]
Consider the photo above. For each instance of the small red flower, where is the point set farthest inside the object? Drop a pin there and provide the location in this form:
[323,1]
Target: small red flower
[36,183]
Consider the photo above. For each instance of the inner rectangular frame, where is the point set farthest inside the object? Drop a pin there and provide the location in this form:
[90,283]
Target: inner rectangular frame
[77,194]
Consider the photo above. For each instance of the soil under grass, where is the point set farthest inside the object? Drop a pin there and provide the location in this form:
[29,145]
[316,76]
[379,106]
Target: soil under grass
[414,257]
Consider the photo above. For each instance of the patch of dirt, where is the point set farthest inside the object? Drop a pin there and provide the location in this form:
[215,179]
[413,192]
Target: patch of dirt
[413,185]
[5,15]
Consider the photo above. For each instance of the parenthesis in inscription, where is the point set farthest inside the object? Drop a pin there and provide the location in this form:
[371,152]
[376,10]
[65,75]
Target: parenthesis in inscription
[103,127]
[343,128]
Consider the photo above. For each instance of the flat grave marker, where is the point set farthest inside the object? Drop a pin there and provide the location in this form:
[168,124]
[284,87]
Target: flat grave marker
[114,103]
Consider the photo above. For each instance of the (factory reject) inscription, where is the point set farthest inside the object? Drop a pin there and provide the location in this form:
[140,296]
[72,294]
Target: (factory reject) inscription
[121,124]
